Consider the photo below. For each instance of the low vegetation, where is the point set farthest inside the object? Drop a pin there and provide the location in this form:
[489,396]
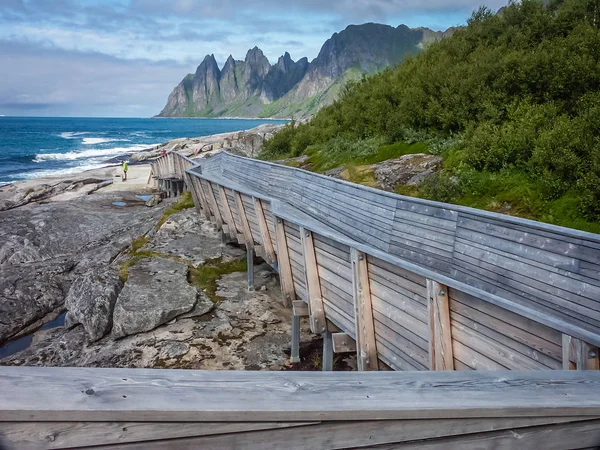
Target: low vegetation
[185,202]
[511,101]
[205,276]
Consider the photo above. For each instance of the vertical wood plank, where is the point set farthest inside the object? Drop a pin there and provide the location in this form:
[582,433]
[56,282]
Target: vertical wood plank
[265,236]
[579,355]
[214,205]
[228,215]
[197,187]
[244,219]
[441,353]
[327,351]
[366,348]
[197,203]
[313,283]
[285,268]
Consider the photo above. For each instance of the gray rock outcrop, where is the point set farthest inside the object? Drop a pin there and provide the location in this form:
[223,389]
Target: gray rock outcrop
[407,170]
[156,291]
[28,292]
[91,301]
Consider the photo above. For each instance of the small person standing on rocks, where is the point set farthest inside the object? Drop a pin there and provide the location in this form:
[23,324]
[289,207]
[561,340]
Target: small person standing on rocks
[125,169]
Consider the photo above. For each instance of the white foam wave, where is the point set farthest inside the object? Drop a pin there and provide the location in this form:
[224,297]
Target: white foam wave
[87,154]
[94,141]
[73,134]
[66,171]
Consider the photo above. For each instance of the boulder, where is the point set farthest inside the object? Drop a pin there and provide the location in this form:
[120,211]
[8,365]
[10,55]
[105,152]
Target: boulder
[28,292]
[154,200]
[156,292]
[91,301]
[409,170]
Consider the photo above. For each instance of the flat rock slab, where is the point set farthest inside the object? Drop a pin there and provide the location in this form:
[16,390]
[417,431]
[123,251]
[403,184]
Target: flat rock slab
[156,291]
[409,170]
[91,300]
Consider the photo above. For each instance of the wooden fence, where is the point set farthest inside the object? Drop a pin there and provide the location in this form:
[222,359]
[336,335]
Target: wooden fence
[411,283]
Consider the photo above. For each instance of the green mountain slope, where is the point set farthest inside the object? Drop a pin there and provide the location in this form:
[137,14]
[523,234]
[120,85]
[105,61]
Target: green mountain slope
[512,102]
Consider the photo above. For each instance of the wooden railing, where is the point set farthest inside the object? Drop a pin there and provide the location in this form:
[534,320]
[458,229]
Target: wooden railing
[54,408]
[412,283]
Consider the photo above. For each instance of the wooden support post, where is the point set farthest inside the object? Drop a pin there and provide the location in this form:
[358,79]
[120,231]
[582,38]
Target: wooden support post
[196,186]
[343,343]
[205,200]
[366,347]
[228,214]
[265,236]
[579,355]
[327,352]
[295,347]
[313,283]
[250,260]
[285,269]
[214,205]
[197,203]
[441,355]
[244,219]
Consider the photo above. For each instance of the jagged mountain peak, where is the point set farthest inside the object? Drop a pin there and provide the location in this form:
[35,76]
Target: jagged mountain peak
[245,88]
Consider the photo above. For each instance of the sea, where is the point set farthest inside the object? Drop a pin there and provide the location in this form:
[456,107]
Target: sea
[32,147]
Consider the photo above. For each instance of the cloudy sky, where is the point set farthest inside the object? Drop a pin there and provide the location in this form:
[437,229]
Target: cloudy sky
[121,58]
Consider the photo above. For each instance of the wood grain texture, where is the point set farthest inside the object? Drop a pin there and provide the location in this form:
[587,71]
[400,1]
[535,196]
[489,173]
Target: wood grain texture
[366,347]
[139,395]
[440,331]
[346,435]
[285,269]
[313,285]
[264,231]
[244,218]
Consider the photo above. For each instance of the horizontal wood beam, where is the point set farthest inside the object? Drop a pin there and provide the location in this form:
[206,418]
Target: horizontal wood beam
[343,343]
[90,394]
[300,308]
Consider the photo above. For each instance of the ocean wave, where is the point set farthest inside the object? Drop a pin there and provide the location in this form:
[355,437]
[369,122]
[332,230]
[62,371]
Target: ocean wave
[74,134]
[57,172]
[88,154]
[94,140]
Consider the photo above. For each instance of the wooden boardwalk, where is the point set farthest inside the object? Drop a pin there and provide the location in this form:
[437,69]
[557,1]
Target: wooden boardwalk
[409,284]
[484,305]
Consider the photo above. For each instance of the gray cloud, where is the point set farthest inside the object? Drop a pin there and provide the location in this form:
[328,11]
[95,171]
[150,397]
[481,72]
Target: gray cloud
[38,78]
[120,57]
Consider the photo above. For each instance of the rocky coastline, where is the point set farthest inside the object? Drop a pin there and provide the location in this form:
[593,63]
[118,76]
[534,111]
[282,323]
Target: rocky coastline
[92,276]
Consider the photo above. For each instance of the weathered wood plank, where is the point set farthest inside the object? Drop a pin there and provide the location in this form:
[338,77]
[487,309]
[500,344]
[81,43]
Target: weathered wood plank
[245,225]
[554,437]
[83,394]
[264,232]
[228,216]
[285,270]
[366,355]
[440,331]
[58,435]
[315,297]
[214,205]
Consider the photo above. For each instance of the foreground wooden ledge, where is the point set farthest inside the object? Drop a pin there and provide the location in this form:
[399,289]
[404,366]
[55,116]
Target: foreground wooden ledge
[67,407]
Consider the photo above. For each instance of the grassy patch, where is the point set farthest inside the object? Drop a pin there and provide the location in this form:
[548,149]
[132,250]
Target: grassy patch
[185,202]
[360,174]
[206,275]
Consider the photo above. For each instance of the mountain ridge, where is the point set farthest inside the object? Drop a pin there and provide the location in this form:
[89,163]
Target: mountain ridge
[254,87]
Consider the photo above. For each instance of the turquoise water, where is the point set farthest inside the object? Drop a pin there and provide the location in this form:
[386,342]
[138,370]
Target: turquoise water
[39,146]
